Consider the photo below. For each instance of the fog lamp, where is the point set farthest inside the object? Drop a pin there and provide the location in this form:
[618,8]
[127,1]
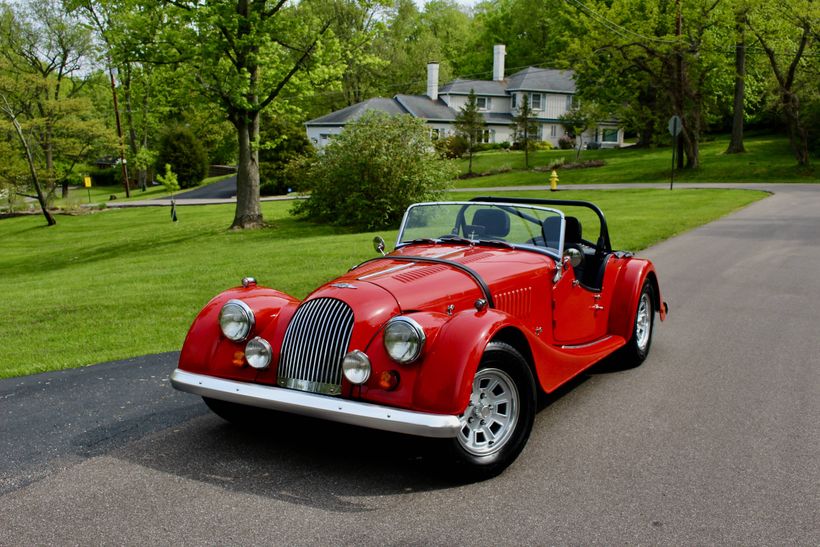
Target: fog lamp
[258,353]
[356,367]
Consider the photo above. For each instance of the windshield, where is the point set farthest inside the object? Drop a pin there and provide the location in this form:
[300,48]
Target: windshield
[479,222]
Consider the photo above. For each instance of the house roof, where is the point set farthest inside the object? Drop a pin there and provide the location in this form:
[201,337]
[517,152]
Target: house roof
[424,107]
[354,112]
[542,79]
[481,87]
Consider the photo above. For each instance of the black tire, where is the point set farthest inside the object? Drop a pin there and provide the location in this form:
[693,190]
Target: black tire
[643,327]
[243,416]
[502,373]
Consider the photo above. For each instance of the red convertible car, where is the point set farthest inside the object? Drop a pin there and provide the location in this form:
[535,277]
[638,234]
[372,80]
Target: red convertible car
[482,305]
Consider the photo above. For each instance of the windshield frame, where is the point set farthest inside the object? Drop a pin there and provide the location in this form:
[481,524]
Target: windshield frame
[509,207]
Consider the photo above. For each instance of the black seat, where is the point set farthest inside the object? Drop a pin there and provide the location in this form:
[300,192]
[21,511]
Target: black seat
[572,239]
[494,223]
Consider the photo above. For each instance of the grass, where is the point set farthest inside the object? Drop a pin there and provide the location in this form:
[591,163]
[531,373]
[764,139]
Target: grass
[768,159]
[126,282]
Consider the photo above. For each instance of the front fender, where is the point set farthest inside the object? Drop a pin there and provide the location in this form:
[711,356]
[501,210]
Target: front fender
[446,376]
[207,351]
[627,292]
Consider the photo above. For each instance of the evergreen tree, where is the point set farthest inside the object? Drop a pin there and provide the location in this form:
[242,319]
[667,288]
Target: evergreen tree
[524,128]
[470,124]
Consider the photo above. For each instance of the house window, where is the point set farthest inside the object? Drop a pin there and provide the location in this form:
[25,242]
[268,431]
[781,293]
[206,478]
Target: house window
[483,103]
[535,101]
[514,100]
[487,136]
[553,131]
[435,134]
[570,102]
[609,134]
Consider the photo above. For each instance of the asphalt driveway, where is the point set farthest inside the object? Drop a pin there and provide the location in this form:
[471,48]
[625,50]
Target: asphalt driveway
[715,439]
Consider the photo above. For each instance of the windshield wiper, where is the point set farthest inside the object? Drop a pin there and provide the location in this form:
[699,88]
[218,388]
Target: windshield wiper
[424,240]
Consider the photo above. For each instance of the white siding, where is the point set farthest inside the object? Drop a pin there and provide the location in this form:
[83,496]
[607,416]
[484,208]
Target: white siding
[556,105]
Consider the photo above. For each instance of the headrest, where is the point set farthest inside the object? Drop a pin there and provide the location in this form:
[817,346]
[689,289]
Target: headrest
[496,222]
[572,230]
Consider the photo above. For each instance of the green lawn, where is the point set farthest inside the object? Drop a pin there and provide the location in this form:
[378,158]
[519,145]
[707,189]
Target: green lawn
[768,159]
[121,283]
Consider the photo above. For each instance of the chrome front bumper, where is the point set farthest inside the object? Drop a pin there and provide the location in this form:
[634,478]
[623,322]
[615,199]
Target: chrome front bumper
[318,406]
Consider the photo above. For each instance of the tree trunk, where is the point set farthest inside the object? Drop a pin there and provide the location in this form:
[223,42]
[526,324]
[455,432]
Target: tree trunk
[736,143]
[248,205]
[30,159]
[798,136]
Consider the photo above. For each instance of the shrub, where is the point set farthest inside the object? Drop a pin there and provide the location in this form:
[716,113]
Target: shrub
[368,175]
[543,145]
[282,142]
[110,176]
[565,142]
[452,147]
[180,149]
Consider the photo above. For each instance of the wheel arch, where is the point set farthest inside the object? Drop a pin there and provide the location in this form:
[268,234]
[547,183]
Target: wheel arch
[514,337]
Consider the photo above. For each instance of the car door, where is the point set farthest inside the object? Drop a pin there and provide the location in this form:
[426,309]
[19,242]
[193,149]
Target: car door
[578,315]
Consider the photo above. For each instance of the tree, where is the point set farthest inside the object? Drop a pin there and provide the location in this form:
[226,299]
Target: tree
[787,33]
[524,128]
[244,53]
[44,52]
[582,117]
[180,149]
[281,141]
[738,110]
[368,175]
[470,125]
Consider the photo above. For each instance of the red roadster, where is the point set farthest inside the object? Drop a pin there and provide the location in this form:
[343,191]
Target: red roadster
[481,305]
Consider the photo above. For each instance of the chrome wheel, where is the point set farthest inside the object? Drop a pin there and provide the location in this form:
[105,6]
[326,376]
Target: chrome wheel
[643,322]
[490,419]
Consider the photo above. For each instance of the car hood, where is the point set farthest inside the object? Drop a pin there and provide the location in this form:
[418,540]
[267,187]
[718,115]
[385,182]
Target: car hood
[436,285]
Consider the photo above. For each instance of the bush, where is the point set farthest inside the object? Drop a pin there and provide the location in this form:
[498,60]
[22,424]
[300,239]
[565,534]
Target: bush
[282,141]
[452,147]
[110,176]
[368,175]
[565,142]
[180,149]
[543,145]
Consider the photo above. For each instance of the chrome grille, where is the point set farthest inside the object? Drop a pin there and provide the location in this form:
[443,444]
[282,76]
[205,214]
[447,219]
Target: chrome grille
[315,343]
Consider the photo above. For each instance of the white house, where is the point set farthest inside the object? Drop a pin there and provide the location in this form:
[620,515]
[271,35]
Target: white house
[551,93]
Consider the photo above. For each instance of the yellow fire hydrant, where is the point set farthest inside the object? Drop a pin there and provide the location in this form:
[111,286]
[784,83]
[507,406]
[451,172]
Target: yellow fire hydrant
[554,181]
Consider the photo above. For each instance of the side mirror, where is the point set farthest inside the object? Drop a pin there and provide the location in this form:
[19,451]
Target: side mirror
[378,245]
[574,255]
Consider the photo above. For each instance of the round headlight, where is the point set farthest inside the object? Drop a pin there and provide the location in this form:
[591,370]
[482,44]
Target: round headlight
[236,320]
[356,367]
[258,353]
[403,339]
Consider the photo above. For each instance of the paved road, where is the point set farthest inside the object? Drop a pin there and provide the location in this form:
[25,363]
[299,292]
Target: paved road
[715,439]
[224,189]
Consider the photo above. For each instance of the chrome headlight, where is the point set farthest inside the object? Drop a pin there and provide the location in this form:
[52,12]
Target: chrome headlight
[236,320]
[403,339]
[258,353]
[356,367]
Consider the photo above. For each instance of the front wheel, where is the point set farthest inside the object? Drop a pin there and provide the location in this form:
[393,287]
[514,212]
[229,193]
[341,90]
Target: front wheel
[638,346]
[498,419]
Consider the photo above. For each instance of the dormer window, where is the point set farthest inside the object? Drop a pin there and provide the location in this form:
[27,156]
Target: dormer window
[483,103]
[535,101]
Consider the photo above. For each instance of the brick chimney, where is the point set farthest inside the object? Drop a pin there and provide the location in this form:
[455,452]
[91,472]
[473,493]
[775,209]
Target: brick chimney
[432,80]
[499,51]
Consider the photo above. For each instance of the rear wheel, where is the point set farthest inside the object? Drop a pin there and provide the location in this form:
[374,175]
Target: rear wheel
[498,419]
[638,346]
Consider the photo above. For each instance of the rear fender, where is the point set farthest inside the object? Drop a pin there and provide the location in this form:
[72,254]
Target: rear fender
[207,351]
[627,292]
